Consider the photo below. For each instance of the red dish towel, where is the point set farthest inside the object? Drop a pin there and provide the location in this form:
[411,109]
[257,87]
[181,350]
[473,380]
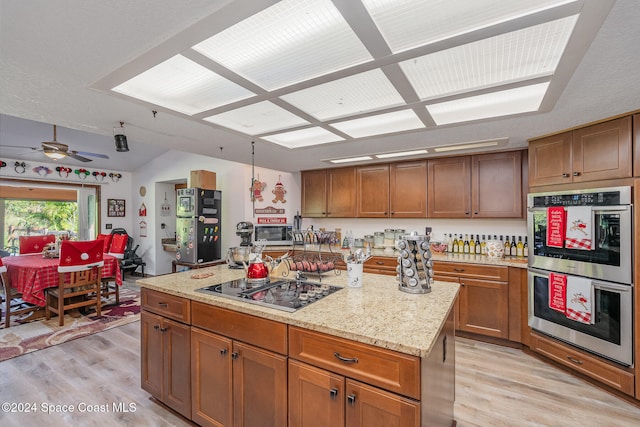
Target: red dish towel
[558,292]
[579,233]
[580,298]
[555,226]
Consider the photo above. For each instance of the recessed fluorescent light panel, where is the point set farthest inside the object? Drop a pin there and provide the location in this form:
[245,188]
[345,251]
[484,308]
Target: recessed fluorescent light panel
[525,54]
[359,93]
[401,154]
[351,159]
[396,121]
[289,42]
[181,85]
[257,118]
[471,145]
[303,137]
[496,104]
[406,24]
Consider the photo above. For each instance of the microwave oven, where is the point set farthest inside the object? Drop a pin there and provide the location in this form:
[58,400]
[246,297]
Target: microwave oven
[273,234]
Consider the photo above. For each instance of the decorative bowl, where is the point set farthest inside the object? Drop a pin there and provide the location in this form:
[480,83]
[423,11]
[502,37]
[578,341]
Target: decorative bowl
[438,247]
[494,249]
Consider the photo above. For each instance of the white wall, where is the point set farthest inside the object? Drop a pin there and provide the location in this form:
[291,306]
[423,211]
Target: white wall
[109,188]
[233,179]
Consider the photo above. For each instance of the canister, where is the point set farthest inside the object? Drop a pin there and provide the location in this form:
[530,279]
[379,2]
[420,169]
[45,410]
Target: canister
[378,239]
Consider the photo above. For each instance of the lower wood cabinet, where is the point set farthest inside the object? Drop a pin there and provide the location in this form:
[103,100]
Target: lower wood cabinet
[236,384]
[319,398]
[165,365]
[483,302]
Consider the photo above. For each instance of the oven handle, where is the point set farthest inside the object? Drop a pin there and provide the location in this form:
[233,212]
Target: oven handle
[620,208]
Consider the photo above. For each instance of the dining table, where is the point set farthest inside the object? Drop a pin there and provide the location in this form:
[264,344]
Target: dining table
[31,274]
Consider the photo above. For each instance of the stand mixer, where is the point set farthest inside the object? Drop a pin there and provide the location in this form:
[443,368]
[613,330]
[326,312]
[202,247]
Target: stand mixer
[244,229]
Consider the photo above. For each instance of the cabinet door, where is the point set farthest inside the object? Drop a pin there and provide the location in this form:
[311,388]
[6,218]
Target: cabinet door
[371,407]
[602,151]
[341,192]
[211,379]
[497,185]
[314,193]
[408,190]
[151,353]
[259,387]
[484,307]
[316,396]
[550,160]
[177,365]
[372,191]
[449,189]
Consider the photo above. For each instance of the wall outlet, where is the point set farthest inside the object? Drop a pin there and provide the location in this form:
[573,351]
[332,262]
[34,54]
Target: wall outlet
[163,226]
[108,226]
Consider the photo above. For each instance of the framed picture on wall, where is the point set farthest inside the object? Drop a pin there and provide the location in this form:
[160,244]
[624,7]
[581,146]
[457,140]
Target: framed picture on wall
[115,207]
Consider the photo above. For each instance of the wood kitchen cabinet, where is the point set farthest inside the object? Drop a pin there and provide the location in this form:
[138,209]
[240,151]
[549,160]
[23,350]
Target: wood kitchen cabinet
[479,186]
[591,153]
[483,302]
[328,193]
[236,384]
[396,190]
[636,145]
[165,365]
[239,369]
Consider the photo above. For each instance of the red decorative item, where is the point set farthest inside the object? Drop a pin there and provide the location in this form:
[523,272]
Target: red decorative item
[106,238]
[558,292]
[555,226]
[35,244]
[76,256]
[118,245]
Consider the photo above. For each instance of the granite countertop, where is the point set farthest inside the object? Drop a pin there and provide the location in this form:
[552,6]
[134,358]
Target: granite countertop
[441,257]
[378,313]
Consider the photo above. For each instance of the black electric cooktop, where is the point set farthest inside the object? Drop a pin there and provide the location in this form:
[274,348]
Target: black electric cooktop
[287,295]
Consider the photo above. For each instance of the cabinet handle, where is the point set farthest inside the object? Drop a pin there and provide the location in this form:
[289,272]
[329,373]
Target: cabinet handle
[576,174]
[475,213]
[444,349]
[392,213]
[345,359]
[163,304]
[352,399]
[466,213]
[163,330]
[235,355]
[379,262]
[459,270]
[565,175]
[156,327]
[223,352]
[333,393]
[574,360]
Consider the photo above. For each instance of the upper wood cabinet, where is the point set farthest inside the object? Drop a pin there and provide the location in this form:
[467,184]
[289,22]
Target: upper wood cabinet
[592,153]
[397,190]
[480,186]
[328,193]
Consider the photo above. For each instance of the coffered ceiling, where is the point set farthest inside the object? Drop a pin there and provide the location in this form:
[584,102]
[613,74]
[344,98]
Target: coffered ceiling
[312,80]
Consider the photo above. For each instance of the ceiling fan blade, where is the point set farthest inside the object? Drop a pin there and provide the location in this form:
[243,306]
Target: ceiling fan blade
[84,153]
[74,155]
[19,146]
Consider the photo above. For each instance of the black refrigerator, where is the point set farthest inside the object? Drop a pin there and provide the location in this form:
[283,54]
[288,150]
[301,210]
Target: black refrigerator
[198,225]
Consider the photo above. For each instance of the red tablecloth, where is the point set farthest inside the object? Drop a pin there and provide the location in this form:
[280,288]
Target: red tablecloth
[31,274]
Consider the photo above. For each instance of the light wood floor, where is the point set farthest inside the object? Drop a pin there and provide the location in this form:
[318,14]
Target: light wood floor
[495,386]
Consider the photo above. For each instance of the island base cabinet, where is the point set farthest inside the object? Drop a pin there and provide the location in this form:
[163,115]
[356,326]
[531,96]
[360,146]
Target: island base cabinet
[165,365]
[236,384]
[319,398]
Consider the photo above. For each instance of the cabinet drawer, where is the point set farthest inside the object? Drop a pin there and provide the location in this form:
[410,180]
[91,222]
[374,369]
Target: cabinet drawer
[589,365]
[393,371]
[381,265]
[166,305]
[475,271]
[250,329]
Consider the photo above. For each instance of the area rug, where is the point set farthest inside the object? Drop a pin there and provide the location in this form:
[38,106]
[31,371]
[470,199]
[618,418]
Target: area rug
[38,334]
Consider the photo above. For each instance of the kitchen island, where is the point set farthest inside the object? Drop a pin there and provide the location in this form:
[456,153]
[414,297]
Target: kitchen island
[357,356]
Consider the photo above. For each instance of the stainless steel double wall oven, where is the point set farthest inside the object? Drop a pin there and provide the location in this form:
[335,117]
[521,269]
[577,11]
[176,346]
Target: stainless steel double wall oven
[608,265]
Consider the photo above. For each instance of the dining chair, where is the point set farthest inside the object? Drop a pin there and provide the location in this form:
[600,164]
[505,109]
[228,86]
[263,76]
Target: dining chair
[79,278]
[116,249]
[106,238]
[11,299]
[35,244]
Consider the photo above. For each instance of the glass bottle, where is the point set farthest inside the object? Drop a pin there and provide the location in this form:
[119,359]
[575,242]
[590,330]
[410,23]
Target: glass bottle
[450,244]
[483,245]
[472,245]
[525,249]
[514,247]
[507,246]
[520,248]
[456,246]
[465,248]
[478,245]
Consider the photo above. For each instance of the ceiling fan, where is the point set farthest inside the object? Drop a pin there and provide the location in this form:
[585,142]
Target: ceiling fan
[56,150]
